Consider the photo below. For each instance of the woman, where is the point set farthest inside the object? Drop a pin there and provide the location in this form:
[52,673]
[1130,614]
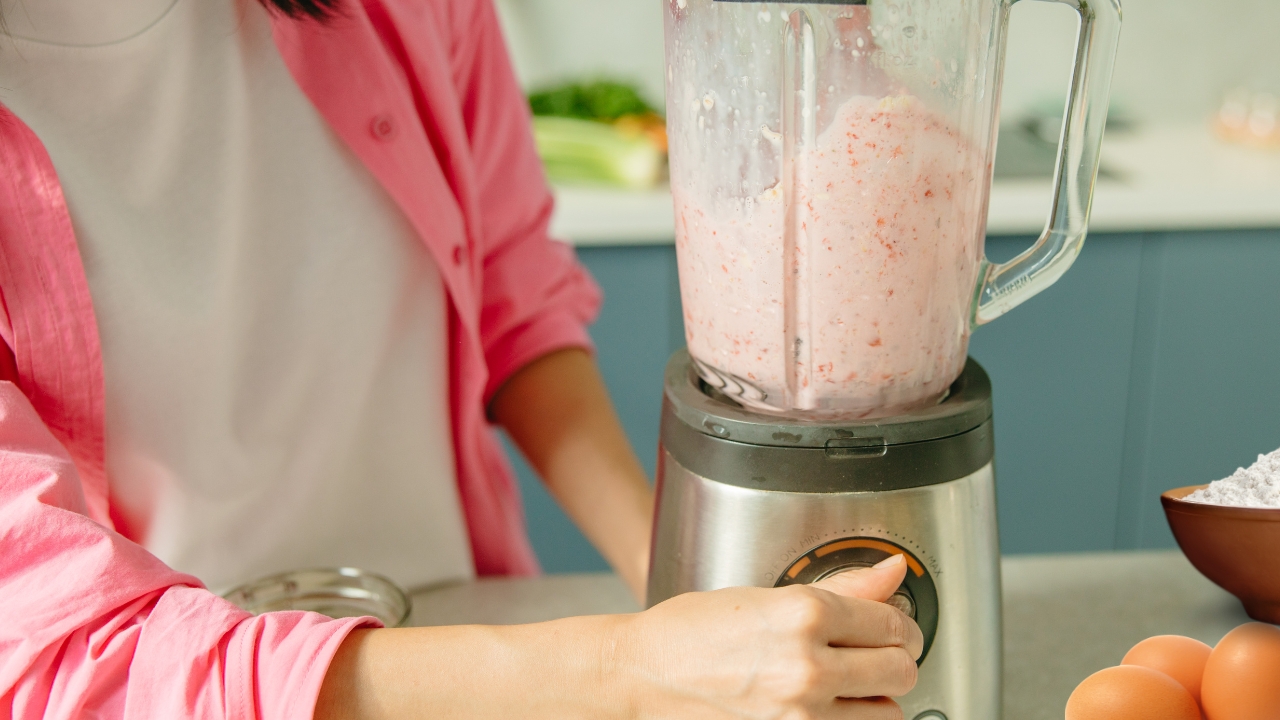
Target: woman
[268,274]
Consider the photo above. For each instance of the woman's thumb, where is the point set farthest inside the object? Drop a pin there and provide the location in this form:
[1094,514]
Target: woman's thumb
[878,582]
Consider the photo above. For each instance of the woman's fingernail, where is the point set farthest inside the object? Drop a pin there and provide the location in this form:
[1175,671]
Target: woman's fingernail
[891,561]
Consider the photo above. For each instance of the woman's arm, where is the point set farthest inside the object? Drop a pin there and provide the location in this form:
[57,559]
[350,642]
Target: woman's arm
[91,624]
[815,652]
[558,411]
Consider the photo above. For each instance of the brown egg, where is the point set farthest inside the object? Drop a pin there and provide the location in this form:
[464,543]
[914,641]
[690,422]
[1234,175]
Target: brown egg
[1181,658]
[1131,692]
[1242,677]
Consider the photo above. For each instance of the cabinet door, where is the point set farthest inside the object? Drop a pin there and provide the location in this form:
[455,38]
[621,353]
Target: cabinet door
[1059,367]
[1205,393]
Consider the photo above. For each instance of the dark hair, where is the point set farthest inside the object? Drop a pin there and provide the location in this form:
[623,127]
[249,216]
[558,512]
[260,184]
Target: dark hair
[318,9]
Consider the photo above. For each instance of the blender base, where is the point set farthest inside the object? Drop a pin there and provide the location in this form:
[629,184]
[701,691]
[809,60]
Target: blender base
[773,520]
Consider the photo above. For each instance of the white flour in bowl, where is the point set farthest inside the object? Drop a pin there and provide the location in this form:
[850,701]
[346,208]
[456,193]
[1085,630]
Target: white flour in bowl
[1257,486]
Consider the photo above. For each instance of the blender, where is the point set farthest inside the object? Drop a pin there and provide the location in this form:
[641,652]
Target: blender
[830,168]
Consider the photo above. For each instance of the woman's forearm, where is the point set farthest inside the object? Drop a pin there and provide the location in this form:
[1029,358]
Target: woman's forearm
[557,670]
[829,651]
[558,411]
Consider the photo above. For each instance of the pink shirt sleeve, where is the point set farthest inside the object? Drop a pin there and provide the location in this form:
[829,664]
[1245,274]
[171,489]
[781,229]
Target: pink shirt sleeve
[536,297]
[91,625]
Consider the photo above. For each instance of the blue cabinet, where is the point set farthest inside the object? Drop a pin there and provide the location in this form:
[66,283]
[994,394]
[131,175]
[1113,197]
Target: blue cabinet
[1153,363]
[1204,391]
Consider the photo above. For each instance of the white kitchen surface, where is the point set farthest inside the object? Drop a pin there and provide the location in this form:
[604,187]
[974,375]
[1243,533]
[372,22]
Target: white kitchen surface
[1171,177]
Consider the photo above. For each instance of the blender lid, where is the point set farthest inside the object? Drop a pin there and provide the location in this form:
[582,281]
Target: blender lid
[696,404]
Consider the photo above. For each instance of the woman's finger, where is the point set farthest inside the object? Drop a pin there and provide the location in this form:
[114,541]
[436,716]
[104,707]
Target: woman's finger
[857,623]
[871,672]
[872,583]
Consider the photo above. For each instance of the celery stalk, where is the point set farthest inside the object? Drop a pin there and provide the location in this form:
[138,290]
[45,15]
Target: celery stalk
[585,151]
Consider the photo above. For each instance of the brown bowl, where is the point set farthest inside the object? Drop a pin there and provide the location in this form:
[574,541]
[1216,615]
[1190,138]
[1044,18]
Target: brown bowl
[1237,548]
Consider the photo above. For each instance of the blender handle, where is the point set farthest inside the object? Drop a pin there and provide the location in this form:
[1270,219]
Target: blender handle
[1004,286]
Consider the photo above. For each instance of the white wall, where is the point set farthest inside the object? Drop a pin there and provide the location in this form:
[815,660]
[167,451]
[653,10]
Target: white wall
[553,40]
[1176,56]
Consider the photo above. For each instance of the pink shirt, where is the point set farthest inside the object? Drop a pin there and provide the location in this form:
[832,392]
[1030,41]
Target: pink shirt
[90,624]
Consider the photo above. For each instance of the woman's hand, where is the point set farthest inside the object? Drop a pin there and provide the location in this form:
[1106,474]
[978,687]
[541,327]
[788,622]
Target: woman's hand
[831,650]
[828,650]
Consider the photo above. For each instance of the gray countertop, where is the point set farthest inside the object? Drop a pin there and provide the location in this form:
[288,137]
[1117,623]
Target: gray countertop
[1066,616]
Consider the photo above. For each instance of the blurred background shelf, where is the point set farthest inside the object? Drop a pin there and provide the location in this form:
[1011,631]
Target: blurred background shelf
[1206,184]
[587,216]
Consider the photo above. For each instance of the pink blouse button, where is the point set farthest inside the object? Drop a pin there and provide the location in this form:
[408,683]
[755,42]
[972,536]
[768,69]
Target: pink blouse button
[382,128]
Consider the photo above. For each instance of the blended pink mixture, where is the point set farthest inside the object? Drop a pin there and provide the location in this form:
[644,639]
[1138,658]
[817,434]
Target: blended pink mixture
[889,215]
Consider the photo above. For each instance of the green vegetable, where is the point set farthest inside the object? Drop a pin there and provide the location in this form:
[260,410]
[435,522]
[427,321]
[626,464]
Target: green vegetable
[584,151]
[603,100]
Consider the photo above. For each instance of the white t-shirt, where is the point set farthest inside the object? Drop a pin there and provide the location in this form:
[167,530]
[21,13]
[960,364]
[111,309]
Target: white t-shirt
[273,330]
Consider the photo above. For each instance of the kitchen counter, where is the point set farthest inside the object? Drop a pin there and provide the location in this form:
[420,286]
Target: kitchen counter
[1066,616]
[1167,177]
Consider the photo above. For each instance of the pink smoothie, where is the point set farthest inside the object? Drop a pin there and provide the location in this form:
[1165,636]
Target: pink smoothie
[863,308]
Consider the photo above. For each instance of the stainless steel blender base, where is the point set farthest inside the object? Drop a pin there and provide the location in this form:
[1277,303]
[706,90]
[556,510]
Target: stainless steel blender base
[712,535]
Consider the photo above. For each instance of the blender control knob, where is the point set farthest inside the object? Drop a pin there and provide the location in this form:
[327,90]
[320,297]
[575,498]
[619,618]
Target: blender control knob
[903,601]
[916,597]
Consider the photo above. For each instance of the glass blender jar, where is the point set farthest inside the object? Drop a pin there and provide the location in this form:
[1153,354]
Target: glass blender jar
[830,166]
